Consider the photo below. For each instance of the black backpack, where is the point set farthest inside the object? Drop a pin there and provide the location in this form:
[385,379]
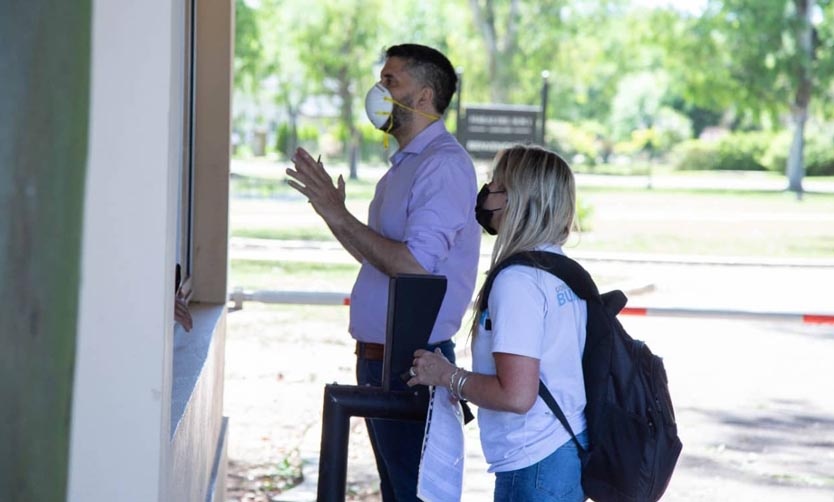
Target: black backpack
[633,438]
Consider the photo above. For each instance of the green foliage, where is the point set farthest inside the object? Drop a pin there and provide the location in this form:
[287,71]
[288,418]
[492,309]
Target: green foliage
[640,141]
[672,127]
[732,56]
[695,155]
[819,157]
[283,136]
[582,143]
[248,47]
[584,214]
[818,153]
[371,144]
[745,151]
[638,100]
[652,77]
[308,137]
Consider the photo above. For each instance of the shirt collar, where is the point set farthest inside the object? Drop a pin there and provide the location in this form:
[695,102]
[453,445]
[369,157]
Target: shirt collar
[420,142]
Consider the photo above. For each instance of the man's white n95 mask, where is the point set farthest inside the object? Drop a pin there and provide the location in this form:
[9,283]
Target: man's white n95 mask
[379,104]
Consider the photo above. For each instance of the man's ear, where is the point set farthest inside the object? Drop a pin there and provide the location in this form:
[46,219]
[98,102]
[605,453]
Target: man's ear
[426,98]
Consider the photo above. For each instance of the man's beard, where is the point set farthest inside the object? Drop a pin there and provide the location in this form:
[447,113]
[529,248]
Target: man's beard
[400,117]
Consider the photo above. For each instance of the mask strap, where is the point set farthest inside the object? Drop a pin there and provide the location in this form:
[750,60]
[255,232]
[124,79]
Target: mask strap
[390,126]
[429,116]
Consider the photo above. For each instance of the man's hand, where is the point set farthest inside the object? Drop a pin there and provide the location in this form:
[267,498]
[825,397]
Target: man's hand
[388,256]
[310,178]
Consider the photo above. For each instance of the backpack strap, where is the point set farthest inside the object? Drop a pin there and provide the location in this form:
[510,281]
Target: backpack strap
[548,398]
[568,270]
[579,280]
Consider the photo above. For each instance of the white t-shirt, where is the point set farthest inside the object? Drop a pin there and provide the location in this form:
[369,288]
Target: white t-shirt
[533,314]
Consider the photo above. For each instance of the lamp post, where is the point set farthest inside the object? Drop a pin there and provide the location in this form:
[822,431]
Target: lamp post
[545,87]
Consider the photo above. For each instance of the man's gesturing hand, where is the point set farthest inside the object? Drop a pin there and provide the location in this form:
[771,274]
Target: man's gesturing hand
[310,178]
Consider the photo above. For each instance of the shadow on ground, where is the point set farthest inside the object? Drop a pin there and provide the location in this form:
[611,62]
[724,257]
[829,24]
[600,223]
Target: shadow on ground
[784,443]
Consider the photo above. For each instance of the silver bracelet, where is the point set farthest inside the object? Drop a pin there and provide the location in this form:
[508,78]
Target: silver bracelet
[452,380]
[460,383]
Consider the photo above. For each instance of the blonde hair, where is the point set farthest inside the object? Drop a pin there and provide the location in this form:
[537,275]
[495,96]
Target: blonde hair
[541,203]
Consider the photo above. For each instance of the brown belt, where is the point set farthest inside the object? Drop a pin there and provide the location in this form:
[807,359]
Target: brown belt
[370,351]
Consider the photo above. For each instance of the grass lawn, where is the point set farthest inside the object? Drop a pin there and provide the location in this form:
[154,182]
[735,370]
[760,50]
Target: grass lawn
[708,223]
[711,222]
[294,276]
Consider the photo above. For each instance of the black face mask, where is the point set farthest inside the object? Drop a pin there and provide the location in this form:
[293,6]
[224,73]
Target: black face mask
[484,216]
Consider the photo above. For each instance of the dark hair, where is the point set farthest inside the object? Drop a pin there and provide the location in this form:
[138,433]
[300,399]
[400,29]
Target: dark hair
[431,67]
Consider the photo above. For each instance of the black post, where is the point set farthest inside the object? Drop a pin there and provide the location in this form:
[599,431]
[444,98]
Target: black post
[458,106]
[413,304]
[344,401]
[545,76]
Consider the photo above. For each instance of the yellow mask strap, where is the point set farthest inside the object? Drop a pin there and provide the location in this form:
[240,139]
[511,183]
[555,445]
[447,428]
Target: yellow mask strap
[429,116]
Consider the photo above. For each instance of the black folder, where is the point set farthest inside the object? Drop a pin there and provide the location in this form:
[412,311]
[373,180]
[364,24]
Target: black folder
[413,303]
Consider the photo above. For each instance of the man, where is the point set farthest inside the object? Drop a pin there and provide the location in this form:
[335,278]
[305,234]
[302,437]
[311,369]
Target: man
[420,221]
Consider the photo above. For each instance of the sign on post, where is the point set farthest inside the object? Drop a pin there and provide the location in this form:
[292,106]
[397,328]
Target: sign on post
[487,129]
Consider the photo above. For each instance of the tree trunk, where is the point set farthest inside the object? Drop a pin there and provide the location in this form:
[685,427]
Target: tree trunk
[499,53]
[796,165]
[354,154]
[799,110]
[292,144]
[44,106]
[347,120]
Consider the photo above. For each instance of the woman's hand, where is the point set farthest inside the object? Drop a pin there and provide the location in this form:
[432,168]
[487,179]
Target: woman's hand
[430,368]
[181,313]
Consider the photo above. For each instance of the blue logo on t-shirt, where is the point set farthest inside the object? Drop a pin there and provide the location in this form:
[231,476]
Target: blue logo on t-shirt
[485,320]
[565,295]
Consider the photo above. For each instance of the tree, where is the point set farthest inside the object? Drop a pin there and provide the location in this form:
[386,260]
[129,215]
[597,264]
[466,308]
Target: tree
[522,39]
[248,48]
[803,32]
[761,57]
[583,45]
[342,45]
[500,47]
[282,71]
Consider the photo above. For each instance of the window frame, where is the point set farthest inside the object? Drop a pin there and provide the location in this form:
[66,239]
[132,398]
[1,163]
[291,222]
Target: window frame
[185,204]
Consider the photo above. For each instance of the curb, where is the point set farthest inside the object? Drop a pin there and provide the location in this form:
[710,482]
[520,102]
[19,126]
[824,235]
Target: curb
[728,314]
[242,244]
[239,296]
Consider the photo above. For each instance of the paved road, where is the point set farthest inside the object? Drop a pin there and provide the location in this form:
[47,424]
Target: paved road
[753,397]
[754,408]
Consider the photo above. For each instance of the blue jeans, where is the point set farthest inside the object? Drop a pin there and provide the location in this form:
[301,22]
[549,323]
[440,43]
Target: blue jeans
[396,443]
[557,478]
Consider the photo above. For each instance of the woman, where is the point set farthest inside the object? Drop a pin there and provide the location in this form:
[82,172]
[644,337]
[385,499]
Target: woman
[533,327]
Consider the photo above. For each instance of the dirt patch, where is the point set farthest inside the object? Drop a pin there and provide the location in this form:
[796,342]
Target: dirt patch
[278,360]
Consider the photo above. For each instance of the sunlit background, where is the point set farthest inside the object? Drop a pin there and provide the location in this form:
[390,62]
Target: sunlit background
[701,135]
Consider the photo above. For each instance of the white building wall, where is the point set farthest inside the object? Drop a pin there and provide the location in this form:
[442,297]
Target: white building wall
[122,387]
[147,420]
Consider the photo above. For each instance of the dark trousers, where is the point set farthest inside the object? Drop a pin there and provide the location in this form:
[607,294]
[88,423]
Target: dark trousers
[396,443]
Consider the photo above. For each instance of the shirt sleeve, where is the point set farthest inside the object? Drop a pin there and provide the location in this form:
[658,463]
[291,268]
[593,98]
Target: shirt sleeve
[517,309]
[442,201]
